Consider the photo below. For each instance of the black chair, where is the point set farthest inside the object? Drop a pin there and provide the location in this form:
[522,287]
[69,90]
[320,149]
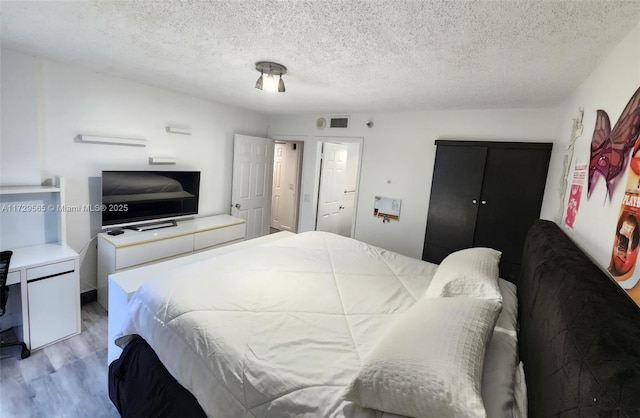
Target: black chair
[5,258]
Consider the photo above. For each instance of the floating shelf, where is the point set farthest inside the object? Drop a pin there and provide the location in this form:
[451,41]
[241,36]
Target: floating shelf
[28,189]
[136,142]
[162,160]
[181,131]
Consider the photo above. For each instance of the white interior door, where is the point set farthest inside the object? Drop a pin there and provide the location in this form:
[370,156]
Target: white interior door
[251,187]
[332,187]
[284,200]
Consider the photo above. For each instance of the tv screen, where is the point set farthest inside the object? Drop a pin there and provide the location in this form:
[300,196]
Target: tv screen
[130,197]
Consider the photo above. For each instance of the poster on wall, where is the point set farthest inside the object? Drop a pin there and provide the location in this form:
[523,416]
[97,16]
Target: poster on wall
[579,175]
[624,255]
[610,148]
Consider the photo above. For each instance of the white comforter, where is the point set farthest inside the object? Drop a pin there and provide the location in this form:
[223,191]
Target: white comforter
[276,330]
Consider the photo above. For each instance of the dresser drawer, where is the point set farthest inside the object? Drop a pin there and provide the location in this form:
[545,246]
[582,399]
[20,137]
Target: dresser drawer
[50,270]
[219,236]
[151,251]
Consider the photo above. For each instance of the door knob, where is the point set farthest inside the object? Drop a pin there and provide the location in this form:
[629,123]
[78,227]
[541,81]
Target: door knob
[237,205]
[474,201]
[484,202]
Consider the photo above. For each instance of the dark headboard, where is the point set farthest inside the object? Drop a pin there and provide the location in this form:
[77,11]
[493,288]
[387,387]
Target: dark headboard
[579,332]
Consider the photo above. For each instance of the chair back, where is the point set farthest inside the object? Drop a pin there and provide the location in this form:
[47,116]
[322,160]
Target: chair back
[5,258]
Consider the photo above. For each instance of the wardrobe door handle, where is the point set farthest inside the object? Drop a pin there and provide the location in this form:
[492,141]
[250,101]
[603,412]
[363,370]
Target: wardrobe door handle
[484,202]
[474,201]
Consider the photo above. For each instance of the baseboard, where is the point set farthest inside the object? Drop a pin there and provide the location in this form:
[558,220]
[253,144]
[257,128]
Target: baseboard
[88,296]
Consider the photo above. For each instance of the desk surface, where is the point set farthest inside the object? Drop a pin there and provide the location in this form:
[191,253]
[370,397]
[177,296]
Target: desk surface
[37,255]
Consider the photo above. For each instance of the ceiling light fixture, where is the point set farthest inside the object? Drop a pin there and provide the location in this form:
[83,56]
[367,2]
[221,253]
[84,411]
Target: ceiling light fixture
[270,84]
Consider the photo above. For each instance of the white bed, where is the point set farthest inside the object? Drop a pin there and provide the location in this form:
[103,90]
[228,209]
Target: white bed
[281,329]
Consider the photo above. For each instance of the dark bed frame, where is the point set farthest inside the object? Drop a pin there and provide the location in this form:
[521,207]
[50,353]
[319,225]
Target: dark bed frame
[579,341]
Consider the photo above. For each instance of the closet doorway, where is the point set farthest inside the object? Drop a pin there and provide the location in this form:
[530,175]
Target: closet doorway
[285,191]
[338,187]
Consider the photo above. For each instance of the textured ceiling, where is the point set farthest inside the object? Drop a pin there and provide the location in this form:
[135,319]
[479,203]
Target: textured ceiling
[343,56]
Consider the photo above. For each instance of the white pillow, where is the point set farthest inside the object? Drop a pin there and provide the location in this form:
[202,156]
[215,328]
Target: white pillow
[430,361]
[501,357]
[472,272]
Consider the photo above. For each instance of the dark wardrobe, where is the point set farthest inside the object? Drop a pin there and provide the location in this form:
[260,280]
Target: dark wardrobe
[485,194]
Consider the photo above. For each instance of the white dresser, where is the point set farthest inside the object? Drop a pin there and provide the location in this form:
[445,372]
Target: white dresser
[132,249]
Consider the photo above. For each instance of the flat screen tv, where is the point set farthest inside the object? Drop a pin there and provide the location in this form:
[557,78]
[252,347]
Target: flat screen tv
[142,197]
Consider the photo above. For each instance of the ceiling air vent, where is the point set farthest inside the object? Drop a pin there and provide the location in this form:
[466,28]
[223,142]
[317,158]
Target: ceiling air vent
[339,122]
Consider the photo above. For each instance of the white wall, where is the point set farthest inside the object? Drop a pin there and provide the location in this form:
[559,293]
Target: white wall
[20,125]
[397,161]
[609,88]
[64,101]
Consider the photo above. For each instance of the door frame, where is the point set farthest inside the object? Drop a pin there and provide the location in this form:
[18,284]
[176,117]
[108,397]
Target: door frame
[296,203]
[320,140]
[300,140]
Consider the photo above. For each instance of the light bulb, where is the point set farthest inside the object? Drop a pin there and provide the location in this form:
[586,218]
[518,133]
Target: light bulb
[270,83]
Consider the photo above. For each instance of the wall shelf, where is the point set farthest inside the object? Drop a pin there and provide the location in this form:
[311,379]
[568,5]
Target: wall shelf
[176,130]
[162,160]
[94,139]
[28,189]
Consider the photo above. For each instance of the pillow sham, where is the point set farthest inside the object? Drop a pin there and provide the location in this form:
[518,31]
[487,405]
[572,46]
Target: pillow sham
[501,358]
[430,361]
[471,272]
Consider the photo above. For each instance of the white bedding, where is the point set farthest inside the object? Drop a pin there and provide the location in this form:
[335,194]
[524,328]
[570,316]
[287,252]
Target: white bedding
[279,330]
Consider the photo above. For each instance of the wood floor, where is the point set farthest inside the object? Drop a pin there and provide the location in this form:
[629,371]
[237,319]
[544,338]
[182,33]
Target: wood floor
[67,379]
